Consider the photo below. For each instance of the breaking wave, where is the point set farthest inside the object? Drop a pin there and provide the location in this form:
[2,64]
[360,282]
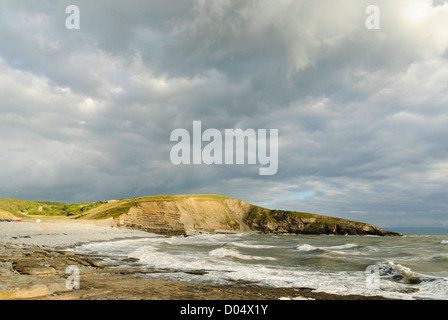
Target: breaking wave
[344,246]
[408,268]
[224,253]
[307,247]
[397,272]
[248,245]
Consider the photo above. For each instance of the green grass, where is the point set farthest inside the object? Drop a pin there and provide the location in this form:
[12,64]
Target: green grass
[231,222]
[294,213]
[110,210]
[199,197]
[6,214]
[119,207]
[262,214]
[95,210]
[45,208]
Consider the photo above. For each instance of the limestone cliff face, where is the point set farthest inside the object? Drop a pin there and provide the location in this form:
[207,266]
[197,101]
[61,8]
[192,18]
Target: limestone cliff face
[174,217]
[182,215]
[161,217]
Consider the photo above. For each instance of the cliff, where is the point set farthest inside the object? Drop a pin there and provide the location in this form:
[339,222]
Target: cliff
[182,214]
[177,215]
[276,221]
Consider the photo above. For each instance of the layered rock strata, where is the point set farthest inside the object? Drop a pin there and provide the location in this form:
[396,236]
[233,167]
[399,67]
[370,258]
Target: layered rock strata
[195,214]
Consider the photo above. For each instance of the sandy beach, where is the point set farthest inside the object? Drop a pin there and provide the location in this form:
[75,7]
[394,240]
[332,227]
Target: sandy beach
[62,233]
[33,265]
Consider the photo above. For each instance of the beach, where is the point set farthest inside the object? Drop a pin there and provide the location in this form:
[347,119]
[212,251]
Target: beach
[63,233]
[35,260]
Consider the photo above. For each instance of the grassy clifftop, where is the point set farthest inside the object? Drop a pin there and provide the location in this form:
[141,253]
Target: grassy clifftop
[183,213]
[115,208]
[24,208]
[96,210]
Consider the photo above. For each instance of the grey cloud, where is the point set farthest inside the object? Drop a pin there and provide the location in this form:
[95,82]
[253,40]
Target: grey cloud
[87,114]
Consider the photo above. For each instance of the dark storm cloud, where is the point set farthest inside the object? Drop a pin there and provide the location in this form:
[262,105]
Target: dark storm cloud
[87,114]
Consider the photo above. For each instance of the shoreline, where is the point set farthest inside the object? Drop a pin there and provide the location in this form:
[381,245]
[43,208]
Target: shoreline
[60,234]
[33,265]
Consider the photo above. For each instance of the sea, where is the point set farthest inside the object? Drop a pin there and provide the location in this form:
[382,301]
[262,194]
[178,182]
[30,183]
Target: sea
[410,267]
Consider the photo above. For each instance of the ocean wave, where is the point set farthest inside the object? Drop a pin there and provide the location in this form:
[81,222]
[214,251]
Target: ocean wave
[423,286]
[224,253]
[249,245]
[400,273]
[155,258]
[201,239]
[306,248]
[142,252]
[439,258]
[344,246]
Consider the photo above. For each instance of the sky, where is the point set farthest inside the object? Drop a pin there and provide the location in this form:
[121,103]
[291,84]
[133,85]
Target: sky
[86,114]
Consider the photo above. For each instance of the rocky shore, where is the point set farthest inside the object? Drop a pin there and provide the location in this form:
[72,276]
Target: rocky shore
[35,272]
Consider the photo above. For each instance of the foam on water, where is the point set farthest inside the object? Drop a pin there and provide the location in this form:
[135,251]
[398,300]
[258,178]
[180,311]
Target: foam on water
[116,247]
[409,268]
[344,246]
[154,258]
[306,248]
[244,244]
